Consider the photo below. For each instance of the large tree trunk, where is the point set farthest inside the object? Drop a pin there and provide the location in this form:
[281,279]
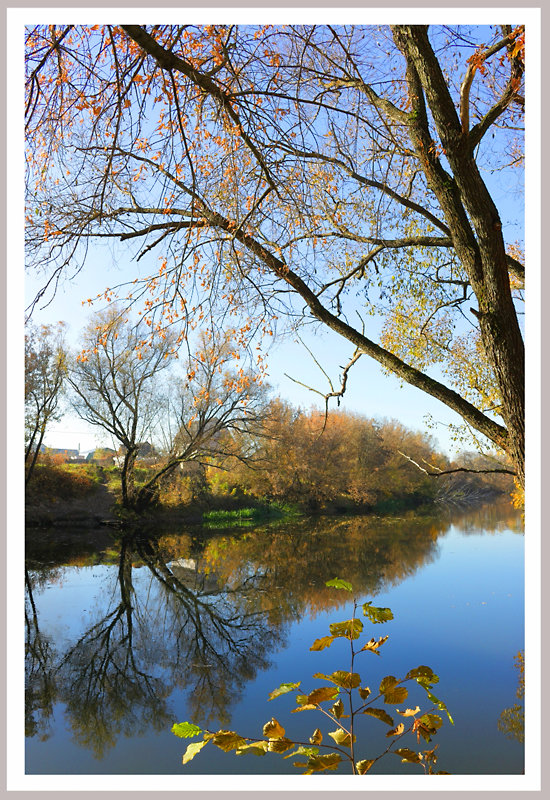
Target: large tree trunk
[475,228]
[127,478]
[34,456]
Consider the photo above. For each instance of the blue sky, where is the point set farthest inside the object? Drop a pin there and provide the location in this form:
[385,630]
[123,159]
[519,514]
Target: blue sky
[369,390]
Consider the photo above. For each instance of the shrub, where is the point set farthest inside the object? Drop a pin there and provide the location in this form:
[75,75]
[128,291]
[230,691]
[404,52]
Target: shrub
[58,482]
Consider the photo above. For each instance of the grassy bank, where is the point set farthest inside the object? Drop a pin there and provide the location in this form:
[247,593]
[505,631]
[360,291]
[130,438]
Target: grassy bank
[246,516]
[61,493]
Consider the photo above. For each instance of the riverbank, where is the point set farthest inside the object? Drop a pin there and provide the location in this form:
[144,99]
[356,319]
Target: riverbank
[99,507]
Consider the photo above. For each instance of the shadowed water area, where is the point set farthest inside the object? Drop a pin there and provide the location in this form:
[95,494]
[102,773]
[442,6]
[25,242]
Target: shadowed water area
[127,635]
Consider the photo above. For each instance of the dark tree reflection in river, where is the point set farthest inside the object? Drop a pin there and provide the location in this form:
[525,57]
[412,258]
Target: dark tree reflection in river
[40,668]
[107,685]
[512,720]
[196,614]
[115,678]
[211,638]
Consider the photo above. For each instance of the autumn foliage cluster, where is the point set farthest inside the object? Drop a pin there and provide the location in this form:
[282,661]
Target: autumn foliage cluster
[341,462]
[343,459]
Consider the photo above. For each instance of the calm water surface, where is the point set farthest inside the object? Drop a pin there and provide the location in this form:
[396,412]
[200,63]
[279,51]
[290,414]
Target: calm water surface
[126,636]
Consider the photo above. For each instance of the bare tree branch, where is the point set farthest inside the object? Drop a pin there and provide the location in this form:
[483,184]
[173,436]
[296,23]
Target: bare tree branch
[440,472]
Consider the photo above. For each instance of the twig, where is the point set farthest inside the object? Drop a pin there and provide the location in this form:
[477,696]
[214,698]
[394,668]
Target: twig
[456,469]
[333,393]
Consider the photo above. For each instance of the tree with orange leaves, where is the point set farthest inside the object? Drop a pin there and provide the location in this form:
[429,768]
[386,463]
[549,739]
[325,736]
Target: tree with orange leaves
[319,172]
[117,386]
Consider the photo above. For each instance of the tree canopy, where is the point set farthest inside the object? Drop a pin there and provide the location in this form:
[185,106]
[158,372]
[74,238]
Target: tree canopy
[295,173]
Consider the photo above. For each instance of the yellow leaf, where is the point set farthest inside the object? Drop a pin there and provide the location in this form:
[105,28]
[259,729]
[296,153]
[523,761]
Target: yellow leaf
[273,729]
[320,644]
[280,745]
[323,693]
[364,766]
[409,712]
[397,731]
[317,737]
[341,737]
[192,751]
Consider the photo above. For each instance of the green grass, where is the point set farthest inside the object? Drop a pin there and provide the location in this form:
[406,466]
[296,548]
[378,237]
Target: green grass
[247,516]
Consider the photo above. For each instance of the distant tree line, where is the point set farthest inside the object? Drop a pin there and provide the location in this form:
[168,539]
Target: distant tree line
[209,427]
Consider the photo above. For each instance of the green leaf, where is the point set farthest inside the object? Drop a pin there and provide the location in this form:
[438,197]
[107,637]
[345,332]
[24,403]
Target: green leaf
[380,714]
[322,693]
[324,641]
[303,751]
[341,737]
[255,748]
[192,750]
[320,763]
[437,702]
[338,583]
[284,688]
[408,755]
[351,628]
[273,730]
[427,726]
[185,730]
[364,765]
[376,614]
[228,740]
[432,721]
[422,672]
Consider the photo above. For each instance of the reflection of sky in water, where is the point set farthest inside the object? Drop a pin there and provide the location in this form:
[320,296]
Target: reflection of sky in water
[461,612]
[79,595]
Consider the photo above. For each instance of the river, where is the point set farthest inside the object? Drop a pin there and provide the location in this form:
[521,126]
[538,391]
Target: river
[127,635]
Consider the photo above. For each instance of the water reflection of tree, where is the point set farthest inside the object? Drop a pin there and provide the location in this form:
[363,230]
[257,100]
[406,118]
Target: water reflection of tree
[292,565]
[116,678]
[207,631]
[215,638]
[107,687]
[39,669]
[512,720]
[490,518]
